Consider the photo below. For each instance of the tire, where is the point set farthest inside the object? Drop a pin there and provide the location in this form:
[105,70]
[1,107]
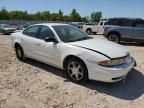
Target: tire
[20,53]
[114,37]
[89,31]
[142,43]
[76,70]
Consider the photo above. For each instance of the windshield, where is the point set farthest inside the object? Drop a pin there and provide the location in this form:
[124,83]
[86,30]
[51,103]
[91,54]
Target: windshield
[69,33]
[5,25]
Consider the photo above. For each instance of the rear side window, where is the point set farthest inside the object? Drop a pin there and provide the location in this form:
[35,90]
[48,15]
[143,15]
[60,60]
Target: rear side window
[121,22]
[113,22]
[126,23]
[45,32]
[31,31]
[139,24]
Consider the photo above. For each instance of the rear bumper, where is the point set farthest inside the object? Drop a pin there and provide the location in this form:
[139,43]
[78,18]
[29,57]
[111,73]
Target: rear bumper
[109,74]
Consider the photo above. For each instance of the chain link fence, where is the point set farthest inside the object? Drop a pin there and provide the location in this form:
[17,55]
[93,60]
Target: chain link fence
[20,22]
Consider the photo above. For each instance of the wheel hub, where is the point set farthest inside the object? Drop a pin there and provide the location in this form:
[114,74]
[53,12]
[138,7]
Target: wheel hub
[75,71]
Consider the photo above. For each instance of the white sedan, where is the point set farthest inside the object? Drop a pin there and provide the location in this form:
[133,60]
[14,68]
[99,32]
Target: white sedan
[80,56]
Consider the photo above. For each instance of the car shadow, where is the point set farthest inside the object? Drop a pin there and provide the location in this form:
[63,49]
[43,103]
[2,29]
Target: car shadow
[129,89]
[46,67]
[132,44]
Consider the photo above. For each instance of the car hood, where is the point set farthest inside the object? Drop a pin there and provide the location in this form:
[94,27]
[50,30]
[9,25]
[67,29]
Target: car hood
[110,49]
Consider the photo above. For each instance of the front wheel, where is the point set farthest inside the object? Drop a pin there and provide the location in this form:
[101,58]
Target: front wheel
[76,70]
[114,38]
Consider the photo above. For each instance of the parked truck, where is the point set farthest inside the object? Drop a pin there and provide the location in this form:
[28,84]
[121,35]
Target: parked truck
[125,29]
[94,28]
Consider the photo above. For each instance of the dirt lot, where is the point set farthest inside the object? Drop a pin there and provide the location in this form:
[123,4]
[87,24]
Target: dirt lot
[32,84]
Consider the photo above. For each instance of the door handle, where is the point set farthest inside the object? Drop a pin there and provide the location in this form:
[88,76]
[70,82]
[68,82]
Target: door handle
[38,44]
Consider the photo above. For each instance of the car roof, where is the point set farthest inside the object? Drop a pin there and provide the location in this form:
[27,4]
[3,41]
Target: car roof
[125,18]
[51,24]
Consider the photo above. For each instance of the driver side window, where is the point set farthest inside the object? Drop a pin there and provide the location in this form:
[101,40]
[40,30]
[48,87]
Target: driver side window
[45,32]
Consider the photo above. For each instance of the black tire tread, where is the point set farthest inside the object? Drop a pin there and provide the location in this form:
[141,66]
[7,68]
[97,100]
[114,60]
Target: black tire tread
[85,78]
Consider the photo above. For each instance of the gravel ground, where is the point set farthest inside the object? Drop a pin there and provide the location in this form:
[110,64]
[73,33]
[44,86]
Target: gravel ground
[32,84]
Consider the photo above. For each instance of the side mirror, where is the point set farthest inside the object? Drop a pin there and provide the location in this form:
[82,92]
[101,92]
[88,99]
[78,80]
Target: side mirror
[50,39]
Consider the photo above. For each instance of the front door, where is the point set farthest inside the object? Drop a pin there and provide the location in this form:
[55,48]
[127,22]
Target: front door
[48,51]
[100,29]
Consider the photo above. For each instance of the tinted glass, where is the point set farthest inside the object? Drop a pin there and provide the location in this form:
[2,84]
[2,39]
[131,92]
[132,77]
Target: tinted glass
[106,23]
[45,32]
[113,22]
[126,23]
[31,31]
[139,24]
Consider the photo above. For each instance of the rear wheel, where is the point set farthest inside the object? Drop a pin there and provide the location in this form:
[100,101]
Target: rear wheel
[114,37]
[19,53]
[89,31]
[142,43]
[76,70]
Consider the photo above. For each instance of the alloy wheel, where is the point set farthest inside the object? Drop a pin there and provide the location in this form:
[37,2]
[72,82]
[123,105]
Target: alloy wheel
[75,71]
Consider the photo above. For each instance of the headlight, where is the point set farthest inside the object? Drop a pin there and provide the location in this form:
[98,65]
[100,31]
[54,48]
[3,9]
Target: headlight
[115,62]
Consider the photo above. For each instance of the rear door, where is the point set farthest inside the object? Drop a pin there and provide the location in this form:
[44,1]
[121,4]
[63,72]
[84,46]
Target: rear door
[30,41]
[139,30]
[126,28]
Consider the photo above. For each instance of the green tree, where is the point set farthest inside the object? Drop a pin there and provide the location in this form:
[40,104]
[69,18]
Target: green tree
[37,16]
[96,16]
[75,17]
[60,16]
[54,17]
[45,16]
[85,19]
[18,15]
[66,18]
[4,14]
